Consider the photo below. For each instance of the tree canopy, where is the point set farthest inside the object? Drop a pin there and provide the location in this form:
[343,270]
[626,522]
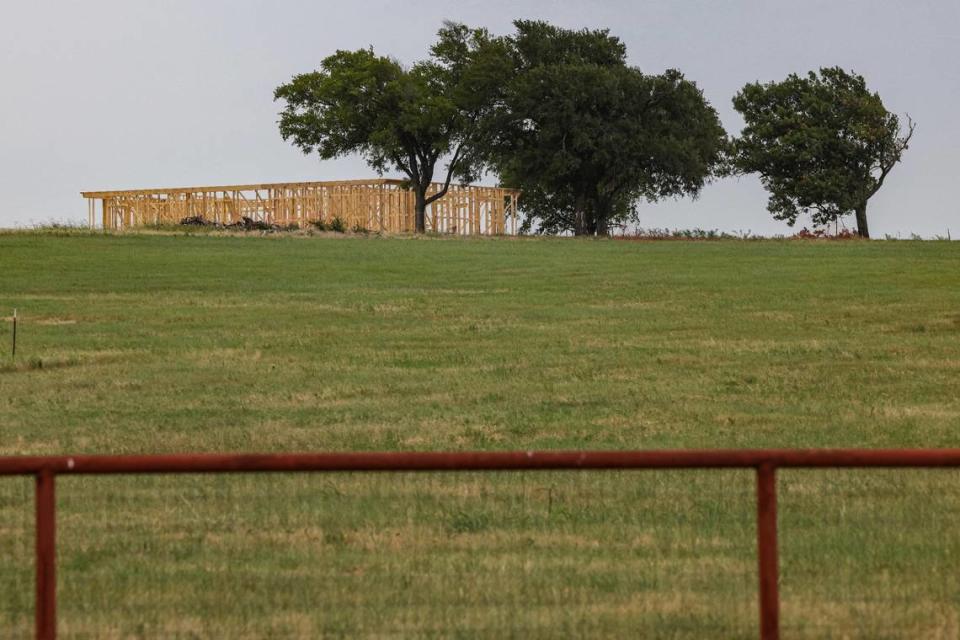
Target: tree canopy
[406,119]
[560,114]
[586,136]
[822,144]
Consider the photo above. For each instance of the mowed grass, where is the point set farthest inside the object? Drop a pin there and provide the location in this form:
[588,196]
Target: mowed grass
[147,343]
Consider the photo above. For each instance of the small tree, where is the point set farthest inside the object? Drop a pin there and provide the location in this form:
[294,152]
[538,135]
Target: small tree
[585,136]
[822,144]
[399,118]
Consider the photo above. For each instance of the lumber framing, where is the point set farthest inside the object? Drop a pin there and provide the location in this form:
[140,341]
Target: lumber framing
[381,204]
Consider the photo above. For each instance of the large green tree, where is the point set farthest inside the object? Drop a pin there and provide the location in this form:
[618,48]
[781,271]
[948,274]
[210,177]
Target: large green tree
[586,136]
[405,119]
[822,144]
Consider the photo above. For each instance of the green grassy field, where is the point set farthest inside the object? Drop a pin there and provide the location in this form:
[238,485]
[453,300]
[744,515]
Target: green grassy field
[164,343]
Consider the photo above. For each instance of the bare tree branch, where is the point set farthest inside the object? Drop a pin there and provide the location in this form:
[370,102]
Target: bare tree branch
[900,146]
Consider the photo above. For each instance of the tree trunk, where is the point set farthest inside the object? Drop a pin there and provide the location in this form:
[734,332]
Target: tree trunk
[862,229]
[602,213]
[420,219]
[580,222]
[603,228]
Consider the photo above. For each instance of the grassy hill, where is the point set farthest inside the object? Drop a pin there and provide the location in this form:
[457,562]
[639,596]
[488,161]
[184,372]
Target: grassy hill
[171,343]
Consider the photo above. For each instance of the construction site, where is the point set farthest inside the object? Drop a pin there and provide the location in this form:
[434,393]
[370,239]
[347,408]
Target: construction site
[383,205]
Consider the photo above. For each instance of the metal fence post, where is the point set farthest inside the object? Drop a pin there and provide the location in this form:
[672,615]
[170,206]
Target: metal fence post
[767,552]
[45,534]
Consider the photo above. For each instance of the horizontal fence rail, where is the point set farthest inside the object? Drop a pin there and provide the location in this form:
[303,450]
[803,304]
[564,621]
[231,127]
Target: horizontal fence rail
[764,461]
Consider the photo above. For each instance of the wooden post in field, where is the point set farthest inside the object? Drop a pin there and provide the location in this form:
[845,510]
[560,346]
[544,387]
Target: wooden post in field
[13,351]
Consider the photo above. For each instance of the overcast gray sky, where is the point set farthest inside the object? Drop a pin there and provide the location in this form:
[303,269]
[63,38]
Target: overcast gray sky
[120,94]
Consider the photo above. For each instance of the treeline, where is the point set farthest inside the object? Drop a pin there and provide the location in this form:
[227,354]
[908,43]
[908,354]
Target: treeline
[560,114]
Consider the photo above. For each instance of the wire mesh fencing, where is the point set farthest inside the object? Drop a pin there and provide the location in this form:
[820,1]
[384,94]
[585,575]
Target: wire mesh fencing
[16,557]
[671,547]
[408,555]
[870,553]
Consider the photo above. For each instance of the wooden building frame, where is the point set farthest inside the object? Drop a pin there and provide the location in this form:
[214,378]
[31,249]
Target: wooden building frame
[376,205]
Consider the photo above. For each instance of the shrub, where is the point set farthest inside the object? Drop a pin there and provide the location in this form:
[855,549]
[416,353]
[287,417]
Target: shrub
[824,234]
[685,234]
[338,225]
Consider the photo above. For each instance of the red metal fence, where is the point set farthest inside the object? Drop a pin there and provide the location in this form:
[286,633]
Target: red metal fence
[766,462]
